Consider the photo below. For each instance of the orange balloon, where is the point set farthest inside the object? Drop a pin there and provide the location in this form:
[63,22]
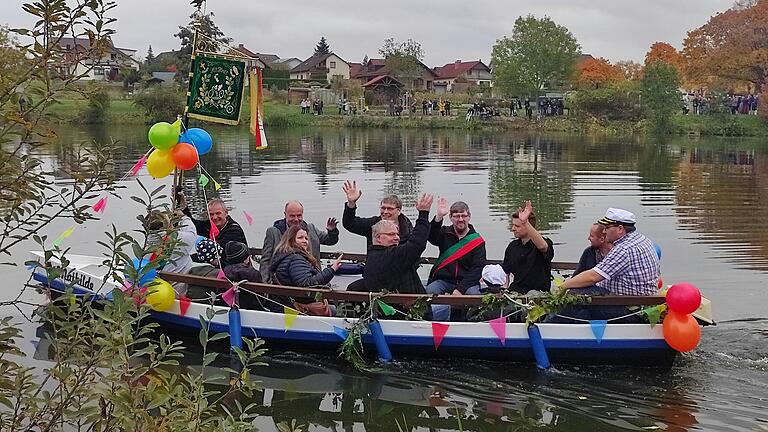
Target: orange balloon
[184,156]
[681,331]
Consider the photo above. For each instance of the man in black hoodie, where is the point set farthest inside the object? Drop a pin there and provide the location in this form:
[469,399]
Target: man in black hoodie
[391,265]
[389,208]
[462,252]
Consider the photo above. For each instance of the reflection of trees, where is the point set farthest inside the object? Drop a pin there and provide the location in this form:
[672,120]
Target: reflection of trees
[723,196]
[532,173]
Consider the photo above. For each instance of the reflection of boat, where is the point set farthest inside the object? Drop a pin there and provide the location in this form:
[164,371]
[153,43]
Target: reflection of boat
[639,344]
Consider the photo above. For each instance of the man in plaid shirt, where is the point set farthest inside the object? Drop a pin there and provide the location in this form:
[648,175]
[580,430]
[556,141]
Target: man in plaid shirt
[630,268]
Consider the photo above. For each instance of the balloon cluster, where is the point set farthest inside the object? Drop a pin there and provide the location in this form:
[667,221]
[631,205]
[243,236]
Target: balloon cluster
[174,149]
[160,294]
[681,330]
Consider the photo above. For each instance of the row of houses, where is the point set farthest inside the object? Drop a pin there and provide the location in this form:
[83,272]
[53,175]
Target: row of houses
[452,77]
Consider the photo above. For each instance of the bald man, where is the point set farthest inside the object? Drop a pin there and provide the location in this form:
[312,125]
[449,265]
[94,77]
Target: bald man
[294,215]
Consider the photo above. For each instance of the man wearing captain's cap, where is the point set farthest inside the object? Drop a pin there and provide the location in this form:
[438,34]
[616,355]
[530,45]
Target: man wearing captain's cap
[630,268]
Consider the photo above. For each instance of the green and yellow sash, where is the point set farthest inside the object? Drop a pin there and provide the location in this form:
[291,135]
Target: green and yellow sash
[458,250]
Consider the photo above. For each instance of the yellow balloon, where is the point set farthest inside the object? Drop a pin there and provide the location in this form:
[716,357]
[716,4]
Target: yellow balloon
[160,295]
[160,163]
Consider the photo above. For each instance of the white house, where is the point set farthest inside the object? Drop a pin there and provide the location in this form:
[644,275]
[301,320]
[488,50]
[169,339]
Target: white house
[80,59]
[321,66]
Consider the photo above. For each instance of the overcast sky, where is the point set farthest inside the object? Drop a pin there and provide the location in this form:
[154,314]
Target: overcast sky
[448,30]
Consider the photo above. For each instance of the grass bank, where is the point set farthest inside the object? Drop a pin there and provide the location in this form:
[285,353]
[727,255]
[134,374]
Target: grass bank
[124,112]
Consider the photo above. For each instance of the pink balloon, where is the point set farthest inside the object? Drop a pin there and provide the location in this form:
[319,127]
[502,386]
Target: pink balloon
[683,298]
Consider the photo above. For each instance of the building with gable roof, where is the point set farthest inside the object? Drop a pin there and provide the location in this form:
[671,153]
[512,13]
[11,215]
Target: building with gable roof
[82,60]
[376,68]
[458,76]
[321,67]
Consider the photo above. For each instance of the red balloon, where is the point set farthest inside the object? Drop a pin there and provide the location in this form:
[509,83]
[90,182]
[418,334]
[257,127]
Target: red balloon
[684,298]
[681,331]
[184,156]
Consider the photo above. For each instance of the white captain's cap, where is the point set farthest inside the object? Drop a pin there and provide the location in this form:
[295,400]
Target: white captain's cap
[614,216]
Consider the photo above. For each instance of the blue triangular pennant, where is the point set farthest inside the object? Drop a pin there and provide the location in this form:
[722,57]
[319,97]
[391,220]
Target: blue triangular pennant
[598,329]
[340,332]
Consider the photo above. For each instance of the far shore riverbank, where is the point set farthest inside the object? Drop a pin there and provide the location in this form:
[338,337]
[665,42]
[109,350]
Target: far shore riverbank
[123,112]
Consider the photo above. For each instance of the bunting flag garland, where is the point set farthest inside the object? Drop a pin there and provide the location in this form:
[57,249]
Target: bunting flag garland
[438,332]
[654,314]
[221,275]
[229,296]
[385,308]
[598,329]
[499,326]
[203,180]
[248,218]
[257,110]
[127,286]
[60,239]
[183,305]
[216,185]
[290,316]
[340,332]
[214,231]
[138,165]
[100,205]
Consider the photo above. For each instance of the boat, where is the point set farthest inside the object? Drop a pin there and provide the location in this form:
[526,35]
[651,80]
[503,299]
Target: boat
[619,344]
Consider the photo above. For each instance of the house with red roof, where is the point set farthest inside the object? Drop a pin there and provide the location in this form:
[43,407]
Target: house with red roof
[377,68]
[458,76]
[252,59]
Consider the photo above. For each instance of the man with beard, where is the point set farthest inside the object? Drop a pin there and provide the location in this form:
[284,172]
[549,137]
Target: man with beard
[462,252]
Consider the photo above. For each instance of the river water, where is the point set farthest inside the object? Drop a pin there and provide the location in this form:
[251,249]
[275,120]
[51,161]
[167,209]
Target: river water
[705,201]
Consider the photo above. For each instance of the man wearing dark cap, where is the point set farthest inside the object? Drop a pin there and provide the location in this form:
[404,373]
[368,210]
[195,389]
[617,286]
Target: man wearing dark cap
[632,265]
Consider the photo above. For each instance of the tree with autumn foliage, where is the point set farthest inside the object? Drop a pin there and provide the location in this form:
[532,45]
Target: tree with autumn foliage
[594,73]
[632,71]
[730,51]
[662,51]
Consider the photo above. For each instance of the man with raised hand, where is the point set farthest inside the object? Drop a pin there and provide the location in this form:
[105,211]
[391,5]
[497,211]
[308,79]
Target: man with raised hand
[462,252]
[294,215]
[529,257]
[391,265]
[389,208]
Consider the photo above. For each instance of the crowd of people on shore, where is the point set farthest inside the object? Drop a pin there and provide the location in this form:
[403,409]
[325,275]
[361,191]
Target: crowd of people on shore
[619,260]
[701,104]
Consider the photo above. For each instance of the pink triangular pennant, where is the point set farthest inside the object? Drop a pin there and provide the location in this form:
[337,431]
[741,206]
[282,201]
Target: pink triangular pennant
[183,305]
[126,286]
[248,218]
[138,165]
[100,205]
[438,332]
[221,275]
[499,326]
[229,296]
[214,231]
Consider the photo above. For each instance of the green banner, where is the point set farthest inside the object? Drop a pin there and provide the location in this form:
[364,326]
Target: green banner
[216,89]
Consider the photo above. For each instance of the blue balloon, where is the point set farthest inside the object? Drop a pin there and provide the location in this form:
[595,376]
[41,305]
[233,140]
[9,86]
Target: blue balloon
[199,138]
[148,276]
[658,250]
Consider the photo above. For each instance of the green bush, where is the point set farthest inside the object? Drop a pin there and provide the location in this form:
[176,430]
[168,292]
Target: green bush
[276,79]
[617,102]
[159,103]
[98,106]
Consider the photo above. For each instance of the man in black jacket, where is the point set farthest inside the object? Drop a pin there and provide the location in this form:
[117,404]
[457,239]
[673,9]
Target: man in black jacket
[389,208]
[392,266]
[462,252]
[228,229]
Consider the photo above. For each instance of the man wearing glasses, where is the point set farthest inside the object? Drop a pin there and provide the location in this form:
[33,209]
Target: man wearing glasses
[459,267]
[632,265]
[389,210]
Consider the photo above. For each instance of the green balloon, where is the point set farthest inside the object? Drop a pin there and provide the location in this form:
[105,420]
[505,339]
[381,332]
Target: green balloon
[163,136]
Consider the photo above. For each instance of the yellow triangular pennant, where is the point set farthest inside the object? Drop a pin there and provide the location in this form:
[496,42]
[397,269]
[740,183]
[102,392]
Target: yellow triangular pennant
[290,316]
[216,185]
